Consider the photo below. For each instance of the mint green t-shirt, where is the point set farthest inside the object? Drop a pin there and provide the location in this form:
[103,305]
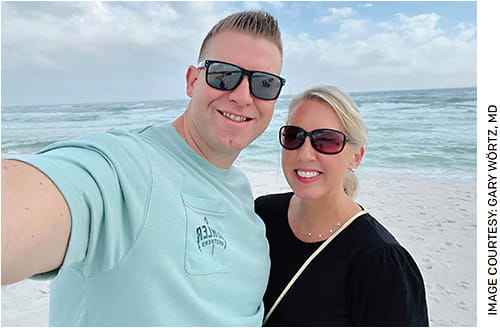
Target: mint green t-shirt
[159,237]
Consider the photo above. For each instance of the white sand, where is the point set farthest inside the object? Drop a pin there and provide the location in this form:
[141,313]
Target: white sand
[435,221]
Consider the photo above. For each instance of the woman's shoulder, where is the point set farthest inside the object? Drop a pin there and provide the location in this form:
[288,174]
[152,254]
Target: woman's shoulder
[272,201]
[272,205]
[385,279]
[372,233]
[375,243]
[274,197]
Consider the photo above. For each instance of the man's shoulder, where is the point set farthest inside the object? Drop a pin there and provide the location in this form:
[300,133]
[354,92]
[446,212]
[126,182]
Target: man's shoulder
[114,143]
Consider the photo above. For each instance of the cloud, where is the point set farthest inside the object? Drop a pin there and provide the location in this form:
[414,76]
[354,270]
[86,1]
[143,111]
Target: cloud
[421,27]
[366,5]
[98,29]
[262,5]
[118,51]
[252,5]
[336,14]
[353,27]
[466,31]
[132,44]
[407,52]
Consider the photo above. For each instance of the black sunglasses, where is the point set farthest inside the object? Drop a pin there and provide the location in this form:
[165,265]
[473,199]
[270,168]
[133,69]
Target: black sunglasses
[226,76]
[325,141]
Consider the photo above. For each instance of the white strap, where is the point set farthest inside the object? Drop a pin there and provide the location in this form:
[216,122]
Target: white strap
[306,263]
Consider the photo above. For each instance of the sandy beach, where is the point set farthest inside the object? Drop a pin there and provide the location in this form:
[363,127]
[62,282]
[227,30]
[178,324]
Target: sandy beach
[434,220]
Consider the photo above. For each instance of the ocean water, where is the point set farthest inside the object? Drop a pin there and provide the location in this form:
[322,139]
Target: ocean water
[418,133]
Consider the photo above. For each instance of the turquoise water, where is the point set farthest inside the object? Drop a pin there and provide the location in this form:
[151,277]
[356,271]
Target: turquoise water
[428,133]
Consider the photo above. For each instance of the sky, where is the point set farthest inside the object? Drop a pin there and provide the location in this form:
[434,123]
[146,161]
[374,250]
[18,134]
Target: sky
[87,52]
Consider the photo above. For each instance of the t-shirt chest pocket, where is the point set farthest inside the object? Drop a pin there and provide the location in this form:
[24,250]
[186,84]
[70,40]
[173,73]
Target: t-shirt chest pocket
[207,248]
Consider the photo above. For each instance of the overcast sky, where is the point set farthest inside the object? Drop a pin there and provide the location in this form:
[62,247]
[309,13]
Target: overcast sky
[81,52]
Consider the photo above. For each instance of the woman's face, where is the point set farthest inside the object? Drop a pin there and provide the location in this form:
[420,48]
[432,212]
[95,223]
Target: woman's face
[313,175]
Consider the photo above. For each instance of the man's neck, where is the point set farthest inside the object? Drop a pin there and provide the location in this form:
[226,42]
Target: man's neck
[196,142]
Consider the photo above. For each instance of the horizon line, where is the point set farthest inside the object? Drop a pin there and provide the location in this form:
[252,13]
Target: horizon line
[174,99]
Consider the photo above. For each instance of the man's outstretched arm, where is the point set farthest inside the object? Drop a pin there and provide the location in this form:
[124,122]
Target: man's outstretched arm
[36,222]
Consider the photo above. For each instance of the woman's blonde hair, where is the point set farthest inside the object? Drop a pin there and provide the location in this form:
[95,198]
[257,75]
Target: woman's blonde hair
[349,115]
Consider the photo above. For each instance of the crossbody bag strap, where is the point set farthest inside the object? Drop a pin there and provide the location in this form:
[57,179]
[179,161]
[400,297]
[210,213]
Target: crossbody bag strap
[306,263]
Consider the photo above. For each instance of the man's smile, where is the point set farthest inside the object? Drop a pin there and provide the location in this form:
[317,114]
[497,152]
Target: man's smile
[233,117]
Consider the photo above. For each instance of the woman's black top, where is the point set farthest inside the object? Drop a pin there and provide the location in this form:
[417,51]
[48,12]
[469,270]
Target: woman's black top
[364,277]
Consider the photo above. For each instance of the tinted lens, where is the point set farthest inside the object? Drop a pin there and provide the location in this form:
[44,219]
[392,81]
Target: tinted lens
[265,86]
[292,137]
[328,141]
[223,76]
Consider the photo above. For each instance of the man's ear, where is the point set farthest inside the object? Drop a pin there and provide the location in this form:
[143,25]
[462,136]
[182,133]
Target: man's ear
[191,78]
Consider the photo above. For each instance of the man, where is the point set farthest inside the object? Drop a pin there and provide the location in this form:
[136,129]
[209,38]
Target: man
[155,227]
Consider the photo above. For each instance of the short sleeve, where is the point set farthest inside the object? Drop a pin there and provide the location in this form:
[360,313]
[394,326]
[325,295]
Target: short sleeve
[106,181]
[387,289]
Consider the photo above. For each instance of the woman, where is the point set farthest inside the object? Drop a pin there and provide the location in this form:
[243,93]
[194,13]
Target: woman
[363,277]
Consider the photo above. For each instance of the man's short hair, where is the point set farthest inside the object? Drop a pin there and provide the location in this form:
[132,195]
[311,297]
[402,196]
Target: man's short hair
[257,23]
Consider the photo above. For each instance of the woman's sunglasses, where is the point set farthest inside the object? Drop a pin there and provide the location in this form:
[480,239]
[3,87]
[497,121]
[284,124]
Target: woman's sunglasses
[225,76]
[325,141]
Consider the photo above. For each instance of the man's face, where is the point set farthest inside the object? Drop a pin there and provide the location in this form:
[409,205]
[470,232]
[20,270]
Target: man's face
[217,115]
